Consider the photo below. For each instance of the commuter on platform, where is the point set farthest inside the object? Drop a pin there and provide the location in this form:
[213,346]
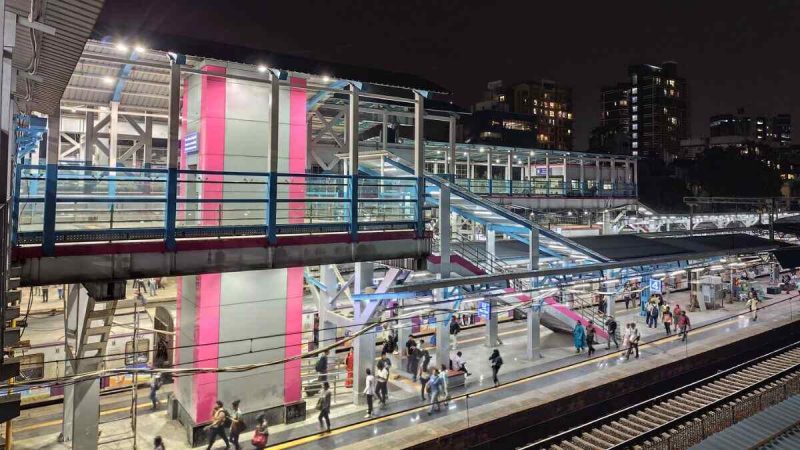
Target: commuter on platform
[684,325]
[676,313]
[60,291]
[261,434]
[752,305]
[455,328]
[497,362]
[434,385]
[158,443]
[45,293]
[666,317]
[627,300]
[424,377]
[445,388]
[411,353]
[611,327]
[633,341]
[369,391]
[626,337]
[217,427]
[381,387]
[460,363]
[591,332]
[579,337]
[348,363]
[237,424]
[151,284]
[324,406]
[321,367]
[385,360]
[424,356]
[155,385]
[653,314]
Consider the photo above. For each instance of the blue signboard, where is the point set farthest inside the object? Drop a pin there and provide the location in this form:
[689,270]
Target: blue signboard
[484,309]
[541,171]
[656,286]
[190,143]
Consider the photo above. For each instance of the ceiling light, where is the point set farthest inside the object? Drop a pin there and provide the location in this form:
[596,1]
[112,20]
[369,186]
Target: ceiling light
[483,149]
[139,48]
[122,47]
[108,80]
[326,78]
[262,68]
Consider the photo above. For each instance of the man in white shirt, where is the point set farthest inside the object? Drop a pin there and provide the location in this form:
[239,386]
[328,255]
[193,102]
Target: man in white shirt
[369,391]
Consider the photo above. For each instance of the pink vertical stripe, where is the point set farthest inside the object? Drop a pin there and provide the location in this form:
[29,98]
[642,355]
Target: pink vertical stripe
[206,350]
[212,141]
[211,156]
[298,141]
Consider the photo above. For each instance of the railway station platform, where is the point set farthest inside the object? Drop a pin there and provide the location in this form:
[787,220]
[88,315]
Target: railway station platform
[524,385]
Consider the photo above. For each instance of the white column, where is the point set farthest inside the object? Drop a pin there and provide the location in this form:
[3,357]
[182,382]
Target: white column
[491,325]
[363,345]
[113,135]
[509,166]
[419,135]
[469,167]
[488,163]
[597,173]
[451,164]
[491,238]
[352,130]
[582,175]
[274,122]
[385,132]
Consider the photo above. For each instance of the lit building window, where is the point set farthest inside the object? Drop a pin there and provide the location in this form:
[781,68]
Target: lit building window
[517,125]
[671,83]
[636,135]
[501,98]
[569,116]
[634,90]
[673,120]
[635,126]
[635,144]
[635,108]
[634,99]
[635,117]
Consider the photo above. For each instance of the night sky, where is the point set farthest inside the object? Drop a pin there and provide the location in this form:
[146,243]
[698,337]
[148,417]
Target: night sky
[733,53]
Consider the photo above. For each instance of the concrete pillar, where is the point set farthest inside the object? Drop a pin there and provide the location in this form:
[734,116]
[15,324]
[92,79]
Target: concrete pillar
[327,332]
[147,158]
[445,231]
[51,183]
[582,175]
[470,173]
[597,173]
[491,325]
[489,164]
[87,151]
[509,166]
[403,332]
[547,174]
[451,164]
[274,122]
[384,132]
[363,345]
[533,336]
[533,249]
[491,238]
[113,135]
[419,158]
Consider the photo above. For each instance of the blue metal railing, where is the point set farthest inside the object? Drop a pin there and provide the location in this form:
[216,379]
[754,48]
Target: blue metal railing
[68,203]
[551,188]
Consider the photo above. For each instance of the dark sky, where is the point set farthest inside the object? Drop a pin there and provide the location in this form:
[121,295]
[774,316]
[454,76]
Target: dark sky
[734,53]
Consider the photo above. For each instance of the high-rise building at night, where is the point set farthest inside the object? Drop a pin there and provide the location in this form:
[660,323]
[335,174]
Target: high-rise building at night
[613,134]
[735,129]
[546,103]
[657,116]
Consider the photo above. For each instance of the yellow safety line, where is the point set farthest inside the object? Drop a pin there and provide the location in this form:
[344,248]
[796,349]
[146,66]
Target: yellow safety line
[355,426]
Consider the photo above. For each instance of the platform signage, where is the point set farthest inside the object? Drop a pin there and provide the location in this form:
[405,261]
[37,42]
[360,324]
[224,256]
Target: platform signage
[190,143]
[541,171]
[484,309]
[656,286]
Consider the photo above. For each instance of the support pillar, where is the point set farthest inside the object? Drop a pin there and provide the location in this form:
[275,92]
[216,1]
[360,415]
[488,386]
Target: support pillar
[51,184]
[147,154]
[327,332]
[533,249]
[533,336]
[597,174]
[451,163]
[491,325]
[173,155]
[547,174]
[419,158]
[113,135]
[384,132]
[583,176]
[491,238]
[363,345]
[442,322]
[352,149]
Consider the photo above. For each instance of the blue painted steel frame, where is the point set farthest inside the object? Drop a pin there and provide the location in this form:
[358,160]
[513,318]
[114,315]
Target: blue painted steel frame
[169,232]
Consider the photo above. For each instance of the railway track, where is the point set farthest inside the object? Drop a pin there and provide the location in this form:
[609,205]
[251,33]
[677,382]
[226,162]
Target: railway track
[685,416]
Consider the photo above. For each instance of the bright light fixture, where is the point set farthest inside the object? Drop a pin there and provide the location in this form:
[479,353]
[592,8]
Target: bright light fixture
[262,68]
[139,48]
[122,47]
[108,80]
[326,78]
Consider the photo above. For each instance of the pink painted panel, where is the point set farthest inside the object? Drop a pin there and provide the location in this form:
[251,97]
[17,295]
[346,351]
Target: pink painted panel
[212,140]
[298,143]
[298,154]
[206,352]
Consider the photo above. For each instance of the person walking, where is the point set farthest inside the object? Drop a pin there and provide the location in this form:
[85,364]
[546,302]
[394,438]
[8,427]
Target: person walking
[579,337]
[633,341]
[626,338]
[155,385]
[60,291]
[423,377]
[627,300]
[369,391]
[45,293]
[752,305]
[654,314]
[237,424]
[424,356]
[434,388]
[455,328]
[321,367]
[684,325]
[445,387]
[382,381]
[411,364]
[497,362]
[611,328]
[217,427]
[261,434]
[153,286]
[324,406]
[666,317]
[158,443]
[348,364]
[591,332]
